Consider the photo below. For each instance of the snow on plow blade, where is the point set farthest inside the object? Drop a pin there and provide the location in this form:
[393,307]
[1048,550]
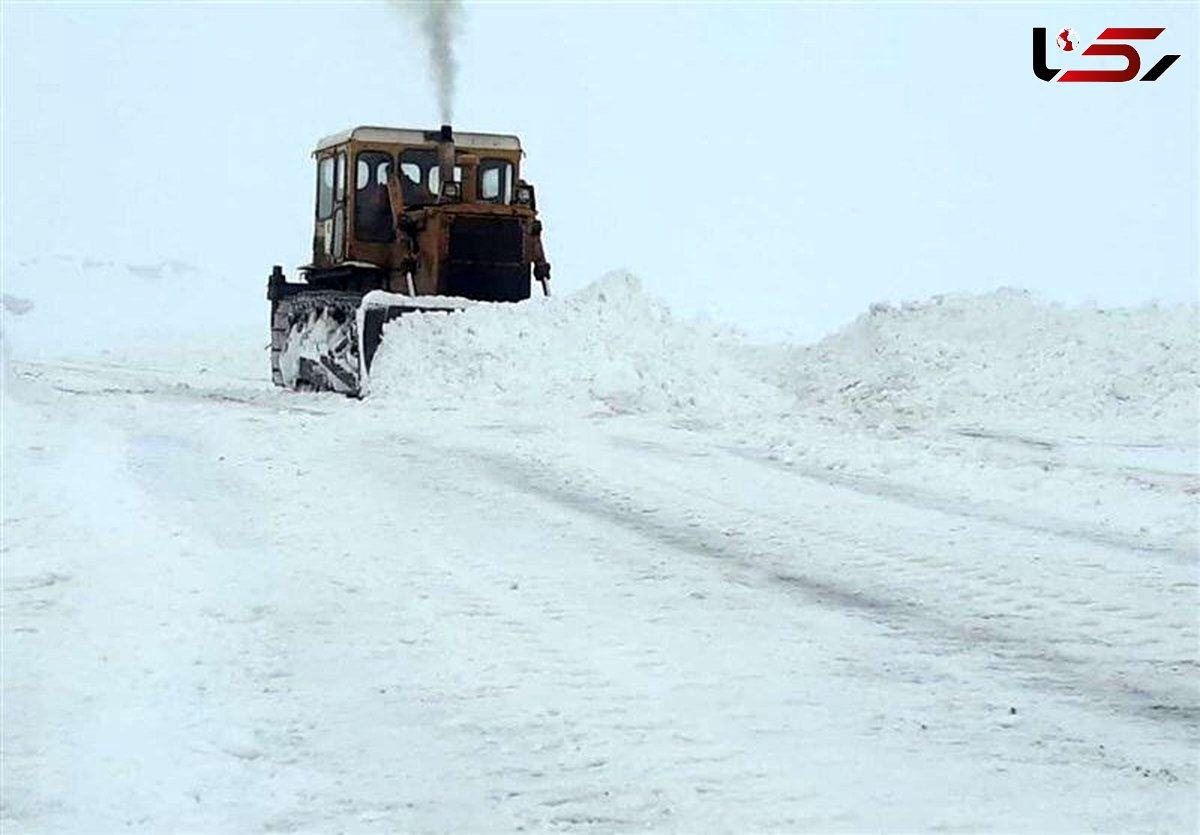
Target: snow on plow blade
[325,340]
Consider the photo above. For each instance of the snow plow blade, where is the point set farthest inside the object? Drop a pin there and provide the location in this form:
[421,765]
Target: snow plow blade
[326,340]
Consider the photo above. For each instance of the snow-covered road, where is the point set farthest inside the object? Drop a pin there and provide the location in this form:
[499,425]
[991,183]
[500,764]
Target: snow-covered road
[235,609]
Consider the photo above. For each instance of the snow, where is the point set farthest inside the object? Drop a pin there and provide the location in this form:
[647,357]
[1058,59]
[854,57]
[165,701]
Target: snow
[579,565]
[609,347]
[319,334]
[1005,356]
[87,304]
[1099,405]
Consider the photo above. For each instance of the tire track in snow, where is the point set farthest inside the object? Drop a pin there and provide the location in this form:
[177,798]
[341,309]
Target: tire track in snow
[599,695]
[956,506]
[917,635]
[1043,659]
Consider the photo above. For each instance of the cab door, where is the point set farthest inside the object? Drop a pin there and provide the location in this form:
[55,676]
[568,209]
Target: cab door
[329,235]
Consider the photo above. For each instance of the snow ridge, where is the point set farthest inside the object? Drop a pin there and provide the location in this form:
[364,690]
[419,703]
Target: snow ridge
[1006,360]
[609,347]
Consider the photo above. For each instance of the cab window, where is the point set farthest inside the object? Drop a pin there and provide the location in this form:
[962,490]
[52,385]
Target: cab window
[325,188]
[412,172]
[495,180]
[418,173]
[372,208]
[435,179]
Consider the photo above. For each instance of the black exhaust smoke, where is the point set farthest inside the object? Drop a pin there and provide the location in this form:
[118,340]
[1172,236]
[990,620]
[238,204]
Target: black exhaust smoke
[439,23]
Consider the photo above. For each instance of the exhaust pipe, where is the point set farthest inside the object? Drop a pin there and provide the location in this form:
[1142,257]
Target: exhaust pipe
[445,155]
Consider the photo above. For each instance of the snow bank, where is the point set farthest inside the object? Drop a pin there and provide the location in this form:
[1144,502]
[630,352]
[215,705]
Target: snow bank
[609,347]
[1006,359]
[1003,360]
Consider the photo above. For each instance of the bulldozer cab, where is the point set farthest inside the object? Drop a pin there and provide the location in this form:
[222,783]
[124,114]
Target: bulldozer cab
[355,218]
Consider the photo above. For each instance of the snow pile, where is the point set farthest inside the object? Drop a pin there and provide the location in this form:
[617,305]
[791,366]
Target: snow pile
[1004,360]
[1008,360]
[609,347]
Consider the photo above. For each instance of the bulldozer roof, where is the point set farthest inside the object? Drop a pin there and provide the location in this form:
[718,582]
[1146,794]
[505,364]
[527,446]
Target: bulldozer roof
[416,136]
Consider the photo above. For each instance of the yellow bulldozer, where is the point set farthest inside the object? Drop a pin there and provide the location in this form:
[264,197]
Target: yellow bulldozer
[406,221]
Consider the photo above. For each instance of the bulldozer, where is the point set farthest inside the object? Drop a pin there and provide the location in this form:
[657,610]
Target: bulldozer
[406,221]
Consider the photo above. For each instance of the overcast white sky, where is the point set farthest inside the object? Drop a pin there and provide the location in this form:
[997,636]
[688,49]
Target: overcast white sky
[778,166]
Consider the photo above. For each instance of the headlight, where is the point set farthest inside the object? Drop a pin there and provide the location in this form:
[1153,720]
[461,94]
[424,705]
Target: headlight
[451,190]
[523,195]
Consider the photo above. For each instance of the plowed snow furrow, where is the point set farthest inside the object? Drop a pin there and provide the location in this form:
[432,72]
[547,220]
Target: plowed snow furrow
[327,615]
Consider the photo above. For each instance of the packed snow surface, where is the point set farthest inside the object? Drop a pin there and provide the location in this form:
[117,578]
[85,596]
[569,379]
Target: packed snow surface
[577,565]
